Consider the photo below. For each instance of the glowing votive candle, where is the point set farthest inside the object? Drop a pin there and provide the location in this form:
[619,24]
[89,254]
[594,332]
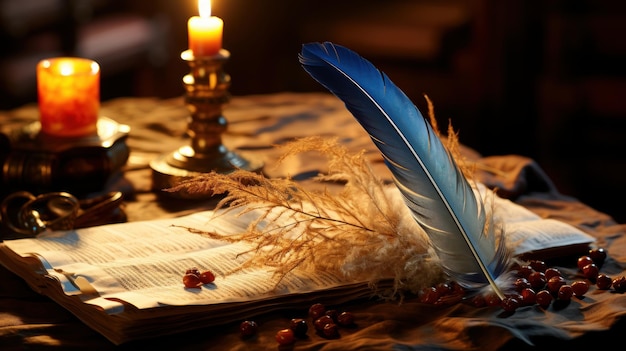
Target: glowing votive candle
[205,31]
[69,96]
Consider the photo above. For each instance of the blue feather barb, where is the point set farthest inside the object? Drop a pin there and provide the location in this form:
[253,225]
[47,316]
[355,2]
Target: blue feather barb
[439,196]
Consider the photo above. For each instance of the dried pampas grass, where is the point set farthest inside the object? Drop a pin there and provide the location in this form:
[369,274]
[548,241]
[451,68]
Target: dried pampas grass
[363,231]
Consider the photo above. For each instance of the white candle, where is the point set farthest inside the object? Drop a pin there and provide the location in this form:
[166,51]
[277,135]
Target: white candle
[205,31]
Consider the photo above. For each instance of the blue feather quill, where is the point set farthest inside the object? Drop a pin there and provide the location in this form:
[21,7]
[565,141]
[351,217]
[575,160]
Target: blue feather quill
[439,196]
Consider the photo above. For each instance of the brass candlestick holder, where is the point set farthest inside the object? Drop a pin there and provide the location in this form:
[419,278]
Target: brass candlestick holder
[206,91]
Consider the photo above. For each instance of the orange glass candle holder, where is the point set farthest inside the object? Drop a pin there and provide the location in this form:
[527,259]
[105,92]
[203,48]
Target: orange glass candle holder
[69,96]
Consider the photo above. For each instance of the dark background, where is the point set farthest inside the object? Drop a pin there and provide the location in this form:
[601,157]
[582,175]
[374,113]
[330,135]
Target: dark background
[544,79]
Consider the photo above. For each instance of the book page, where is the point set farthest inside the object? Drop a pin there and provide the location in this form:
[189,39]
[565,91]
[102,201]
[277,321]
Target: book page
[142,263]
[527,232]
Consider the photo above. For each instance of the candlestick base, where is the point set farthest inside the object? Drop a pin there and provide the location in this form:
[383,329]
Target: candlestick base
[183,164]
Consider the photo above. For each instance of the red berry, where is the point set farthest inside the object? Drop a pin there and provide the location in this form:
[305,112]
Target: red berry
[443,288]
[555,283]
[429,295]
[207,277]
[316,311]
[539,266]
[524,271]
[598,255]
[521,284]
[580,288]
[330,330]
[565,292]
[510,304]
[285,337]
[299,327]
[514,295]
[537,280]
[191,280]
[529,297]
[583,261]
[603,281]
[322,321]
[457,289]
[552,272]
[544,298]
[591,271]
[619,284]
[192,270]
[248,328]
[332,314]
[345,319]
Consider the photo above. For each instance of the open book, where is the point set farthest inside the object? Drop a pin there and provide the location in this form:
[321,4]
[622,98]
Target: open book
[125,280]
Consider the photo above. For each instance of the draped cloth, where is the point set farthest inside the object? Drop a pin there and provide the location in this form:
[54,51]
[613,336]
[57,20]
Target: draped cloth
[256,124]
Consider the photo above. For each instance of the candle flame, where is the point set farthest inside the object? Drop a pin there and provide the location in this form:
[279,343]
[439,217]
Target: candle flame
[204,7]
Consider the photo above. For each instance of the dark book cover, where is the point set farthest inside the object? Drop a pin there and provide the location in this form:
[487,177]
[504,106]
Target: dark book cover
[33,161]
